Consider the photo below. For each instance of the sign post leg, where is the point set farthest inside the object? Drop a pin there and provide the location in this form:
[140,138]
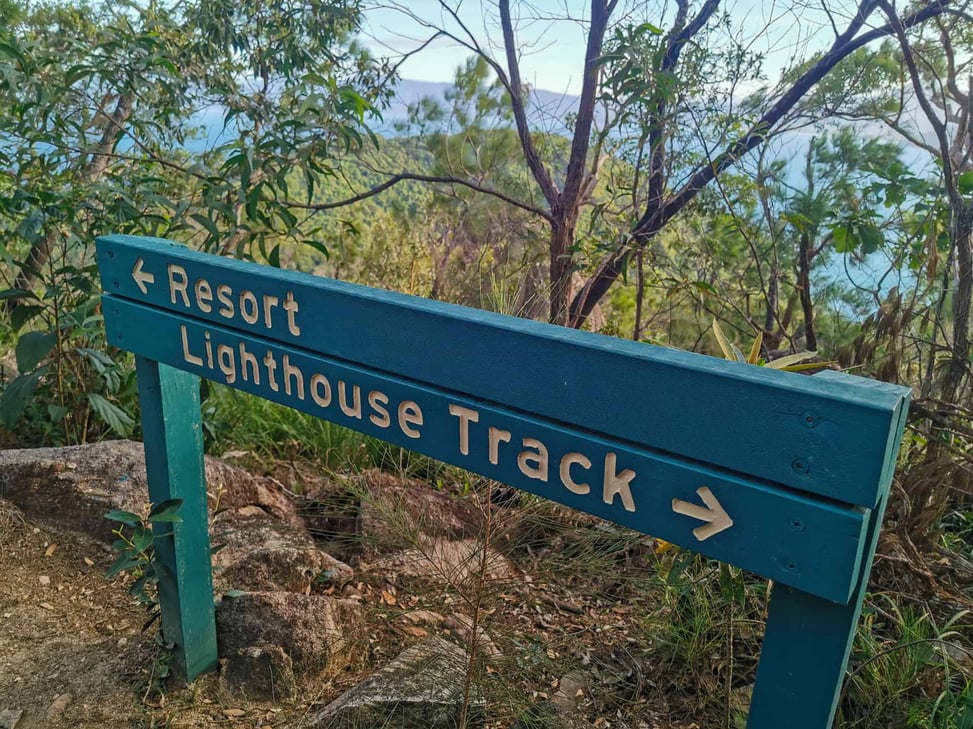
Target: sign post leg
[805,651]
[172,431]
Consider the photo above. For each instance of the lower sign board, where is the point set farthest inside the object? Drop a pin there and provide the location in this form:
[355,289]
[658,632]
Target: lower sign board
[778,533]
[259,330]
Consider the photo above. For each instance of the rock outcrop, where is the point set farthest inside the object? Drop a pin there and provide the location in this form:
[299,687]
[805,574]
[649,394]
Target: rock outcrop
[423,687]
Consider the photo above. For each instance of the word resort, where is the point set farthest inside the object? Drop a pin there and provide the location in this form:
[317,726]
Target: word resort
[246,305]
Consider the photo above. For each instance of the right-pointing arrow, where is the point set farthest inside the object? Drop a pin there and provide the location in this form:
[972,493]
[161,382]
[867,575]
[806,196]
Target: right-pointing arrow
[142,277]
[717,518]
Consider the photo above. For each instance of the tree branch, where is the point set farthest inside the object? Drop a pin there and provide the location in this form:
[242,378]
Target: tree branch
[403,176]
[655,218]
[516,91]
[939,127]
[586,108]
[678,39]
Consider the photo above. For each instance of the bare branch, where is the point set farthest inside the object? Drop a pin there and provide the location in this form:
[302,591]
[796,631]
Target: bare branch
[938,125]
[516,91]
[909,136]
[676,42]
[586,107]
[844,46]
[403,176]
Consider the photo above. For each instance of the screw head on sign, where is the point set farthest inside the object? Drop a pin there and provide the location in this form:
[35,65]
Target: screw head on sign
[800,465]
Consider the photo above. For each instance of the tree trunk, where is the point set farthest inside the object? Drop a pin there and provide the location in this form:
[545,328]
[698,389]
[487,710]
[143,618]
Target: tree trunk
[961,223]
[561,269]
[40,251]
[804,290]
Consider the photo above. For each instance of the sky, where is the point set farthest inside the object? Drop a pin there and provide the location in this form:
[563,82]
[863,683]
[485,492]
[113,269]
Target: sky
[552,36]
[551,33]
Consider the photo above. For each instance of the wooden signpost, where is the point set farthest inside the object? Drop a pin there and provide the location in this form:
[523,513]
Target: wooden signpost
[783,475]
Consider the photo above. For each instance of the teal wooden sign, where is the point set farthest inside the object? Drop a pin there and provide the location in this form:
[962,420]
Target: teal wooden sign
[781,474]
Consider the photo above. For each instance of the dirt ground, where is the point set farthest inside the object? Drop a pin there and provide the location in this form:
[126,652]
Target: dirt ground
[72,651]
[73,654]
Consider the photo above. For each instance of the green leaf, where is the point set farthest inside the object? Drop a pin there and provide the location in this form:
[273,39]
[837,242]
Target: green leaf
[318,246]
[792,359]
[141,539]
[11,52]
[124,562]
[730,351]
[32,347]
[23,314]
[166,511]
[18,394]
[800,222]
[125,517]
[138,587]
[207,224]
[964,182]
[807,366]
[17,294]
[871,238]
[116,418]
[754,356]
[844,239]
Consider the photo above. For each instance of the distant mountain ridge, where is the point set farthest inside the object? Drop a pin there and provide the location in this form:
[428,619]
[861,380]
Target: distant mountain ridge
[550,105]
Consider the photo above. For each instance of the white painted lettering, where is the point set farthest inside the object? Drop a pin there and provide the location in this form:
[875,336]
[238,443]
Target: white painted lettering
[293,372]
[376,401]
[570,484]
[224,355]
[209,350]
[291,307]
[269,303]
[353,410]
[249,309]
[497,437]
[320,390]
[617,483]
[271,364]
[178,286]
[466,416]
[190,358]
[204,295]
[538,457]
[223,293]
[410,414]
[247,358]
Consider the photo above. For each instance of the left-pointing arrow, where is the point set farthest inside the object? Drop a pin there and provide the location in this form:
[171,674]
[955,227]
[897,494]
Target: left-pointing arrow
[715,514]
[142,277]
